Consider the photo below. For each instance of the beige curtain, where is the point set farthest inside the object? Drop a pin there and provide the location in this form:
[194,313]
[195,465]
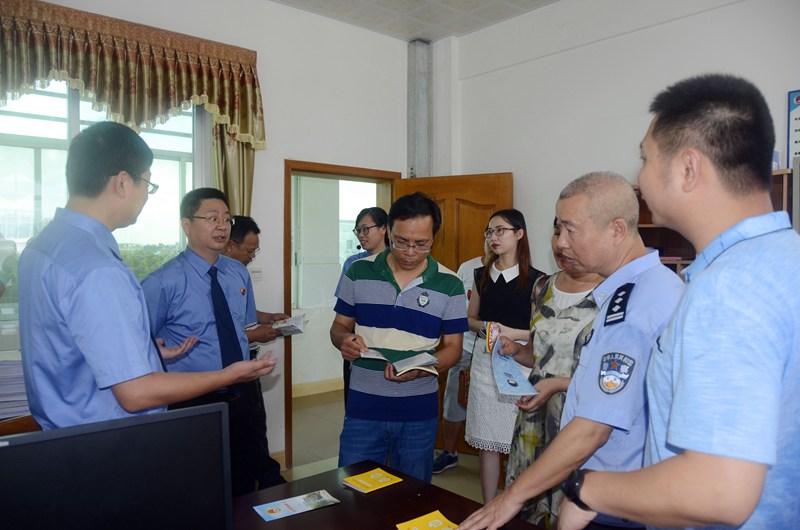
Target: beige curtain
[139,74]
[233,160]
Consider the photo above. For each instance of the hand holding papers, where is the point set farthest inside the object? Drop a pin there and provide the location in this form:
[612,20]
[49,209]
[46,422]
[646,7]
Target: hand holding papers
[509,378]
[291,326]
[492,334]
[421,361]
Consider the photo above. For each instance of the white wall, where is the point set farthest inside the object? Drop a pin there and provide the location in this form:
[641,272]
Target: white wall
[564,89]
[332,93]
[549,95]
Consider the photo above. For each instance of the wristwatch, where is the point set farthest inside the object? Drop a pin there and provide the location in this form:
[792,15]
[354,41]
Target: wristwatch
[572,488]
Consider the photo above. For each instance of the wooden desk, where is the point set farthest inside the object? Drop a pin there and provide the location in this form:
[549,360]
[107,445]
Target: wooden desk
[382,509]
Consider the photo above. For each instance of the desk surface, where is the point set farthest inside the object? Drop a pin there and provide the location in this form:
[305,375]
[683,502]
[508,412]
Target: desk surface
[384,508]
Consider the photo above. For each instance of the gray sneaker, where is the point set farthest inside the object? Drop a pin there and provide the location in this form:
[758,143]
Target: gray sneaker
[444,461]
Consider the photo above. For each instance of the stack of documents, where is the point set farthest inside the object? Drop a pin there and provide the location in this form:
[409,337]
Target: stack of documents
[13,401]
[291,326]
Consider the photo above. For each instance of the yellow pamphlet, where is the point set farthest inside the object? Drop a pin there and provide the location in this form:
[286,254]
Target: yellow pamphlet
[371,480]
[432,520]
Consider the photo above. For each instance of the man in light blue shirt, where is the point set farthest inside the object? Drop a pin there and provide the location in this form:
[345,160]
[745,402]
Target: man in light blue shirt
[86,345]
[604,420]
[180,301]
[724,381]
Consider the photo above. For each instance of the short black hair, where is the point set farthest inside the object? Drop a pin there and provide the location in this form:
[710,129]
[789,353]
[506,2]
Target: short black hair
[192,200]
[379,217]
[243,225]
[101,151]
[416,204]
[725,117]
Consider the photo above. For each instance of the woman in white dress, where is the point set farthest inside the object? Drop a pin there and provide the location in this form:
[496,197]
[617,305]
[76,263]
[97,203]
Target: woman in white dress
[501,294]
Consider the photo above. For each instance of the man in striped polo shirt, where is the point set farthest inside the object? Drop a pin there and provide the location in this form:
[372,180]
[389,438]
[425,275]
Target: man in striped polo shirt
[400,302]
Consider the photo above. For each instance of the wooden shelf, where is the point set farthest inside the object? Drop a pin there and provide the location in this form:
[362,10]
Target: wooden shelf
[679,251]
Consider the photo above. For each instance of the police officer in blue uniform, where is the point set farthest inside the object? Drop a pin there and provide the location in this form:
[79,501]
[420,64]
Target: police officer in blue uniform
[604,422]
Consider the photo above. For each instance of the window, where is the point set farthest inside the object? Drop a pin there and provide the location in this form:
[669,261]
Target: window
[34,133]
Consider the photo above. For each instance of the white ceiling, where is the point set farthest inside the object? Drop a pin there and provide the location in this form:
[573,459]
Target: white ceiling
[427,20]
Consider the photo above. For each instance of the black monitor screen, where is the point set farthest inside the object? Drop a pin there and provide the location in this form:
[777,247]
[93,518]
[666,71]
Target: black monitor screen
[167,470]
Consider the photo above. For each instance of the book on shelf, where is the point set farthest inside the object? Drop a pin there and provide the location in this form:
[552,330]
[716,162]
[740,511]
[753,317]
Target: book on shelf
[291,326]
[371,480]
[421,361]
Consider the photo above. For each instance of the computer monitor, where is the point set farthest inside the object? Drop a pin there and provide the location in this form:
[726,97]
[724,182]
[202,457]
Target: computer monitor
[167,470]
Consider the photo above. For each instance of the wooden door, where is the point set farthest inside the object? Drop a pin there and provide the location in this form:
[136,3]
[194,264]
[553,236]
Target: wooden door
[467,202]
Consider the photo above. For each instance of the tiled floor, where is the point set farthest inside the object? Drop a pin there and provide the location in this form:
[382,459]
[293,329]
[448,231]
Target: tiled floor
[317,423]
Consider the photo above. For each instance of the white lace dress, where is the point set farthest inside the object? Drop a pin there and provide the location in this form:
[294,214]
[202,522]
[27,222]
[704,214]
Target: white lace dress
[490,415]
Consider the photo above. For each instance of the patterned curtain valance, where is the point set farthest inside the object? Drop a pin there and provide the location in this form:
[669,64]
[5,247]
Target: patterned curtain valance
[140,75]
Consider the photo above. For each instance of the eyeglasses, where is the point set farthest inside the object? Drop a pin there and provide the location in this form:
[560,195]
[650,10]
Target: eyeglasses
[500,230]
[216,220]
[251,252]
[416,248]
[364,230]
[151,188]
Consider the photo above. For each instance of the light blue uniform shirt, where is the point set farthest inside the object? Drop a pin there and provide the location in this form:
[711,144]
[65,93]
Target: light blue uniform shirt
[349,261]
[725,377]
[83,323]
[634,304]
[179,298]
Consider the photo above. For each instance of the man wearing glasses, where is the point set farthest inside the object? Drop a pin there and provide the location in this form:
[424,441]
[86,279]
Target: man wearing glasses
[87,350]
[205,294]
[400,302]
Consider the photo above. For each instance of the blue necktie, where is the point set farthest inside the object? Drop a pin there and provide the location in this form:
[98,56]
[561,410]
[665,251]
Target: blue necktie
[229,347]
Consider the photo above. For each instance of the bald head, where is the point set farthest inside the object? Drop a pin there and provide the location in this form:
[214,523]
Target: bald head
[609,196]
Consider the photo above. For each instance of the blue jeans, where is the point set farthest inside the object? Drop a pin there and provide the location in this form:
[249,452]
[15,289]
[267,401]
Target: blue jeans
[406,446]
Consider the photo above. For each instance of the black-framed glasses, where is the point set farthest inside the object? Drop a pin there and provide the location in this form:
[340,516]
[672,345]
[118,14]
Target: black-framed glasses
[151,187]
[251,252]
[363,229]
[216,220]
[416,248]
[500,230]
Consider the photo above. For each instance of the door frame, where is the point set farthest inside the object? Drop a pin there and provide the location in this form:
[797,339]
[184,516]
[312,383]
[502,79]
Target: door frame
[385,180]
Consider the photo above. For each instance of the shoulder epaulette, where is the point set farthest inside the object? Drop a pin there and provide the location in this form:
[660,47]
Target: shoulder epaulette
[618,305]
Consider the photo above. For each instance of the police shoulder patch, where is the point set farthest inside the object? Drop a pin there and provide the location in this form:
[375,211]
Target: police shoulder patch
[619,304]
[616,370]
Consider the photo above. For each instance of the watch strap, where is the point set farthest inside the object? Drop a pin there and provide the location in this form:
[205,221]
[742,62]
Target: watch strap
[572,488]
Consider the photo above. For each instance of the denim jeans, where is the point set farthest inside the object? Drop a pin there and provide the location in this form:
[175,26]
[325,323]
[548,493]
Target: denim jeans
[406,446]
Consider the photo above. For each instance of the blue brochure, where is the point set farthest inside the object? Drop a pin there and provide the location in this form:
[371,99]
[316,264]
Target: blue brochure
[295,505]
[509,378]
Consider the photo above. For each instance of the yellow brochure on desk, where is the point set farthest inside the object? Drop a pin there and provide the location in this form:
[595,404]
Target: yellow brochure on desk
[371,480]
[432,520]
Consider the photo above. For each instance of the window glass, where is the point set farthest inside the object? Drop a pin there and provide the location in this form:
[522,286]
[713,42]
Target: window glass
[33,148]
[54,162]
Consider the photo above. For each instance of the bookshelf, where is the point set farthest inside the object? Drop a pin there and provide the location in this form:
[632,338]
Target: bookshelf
[677,252]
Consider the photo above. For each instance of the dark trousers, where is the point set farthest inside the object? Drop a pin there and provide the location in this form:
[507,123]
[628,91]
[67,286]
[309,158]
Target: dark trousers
[251,465]
[268,470]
